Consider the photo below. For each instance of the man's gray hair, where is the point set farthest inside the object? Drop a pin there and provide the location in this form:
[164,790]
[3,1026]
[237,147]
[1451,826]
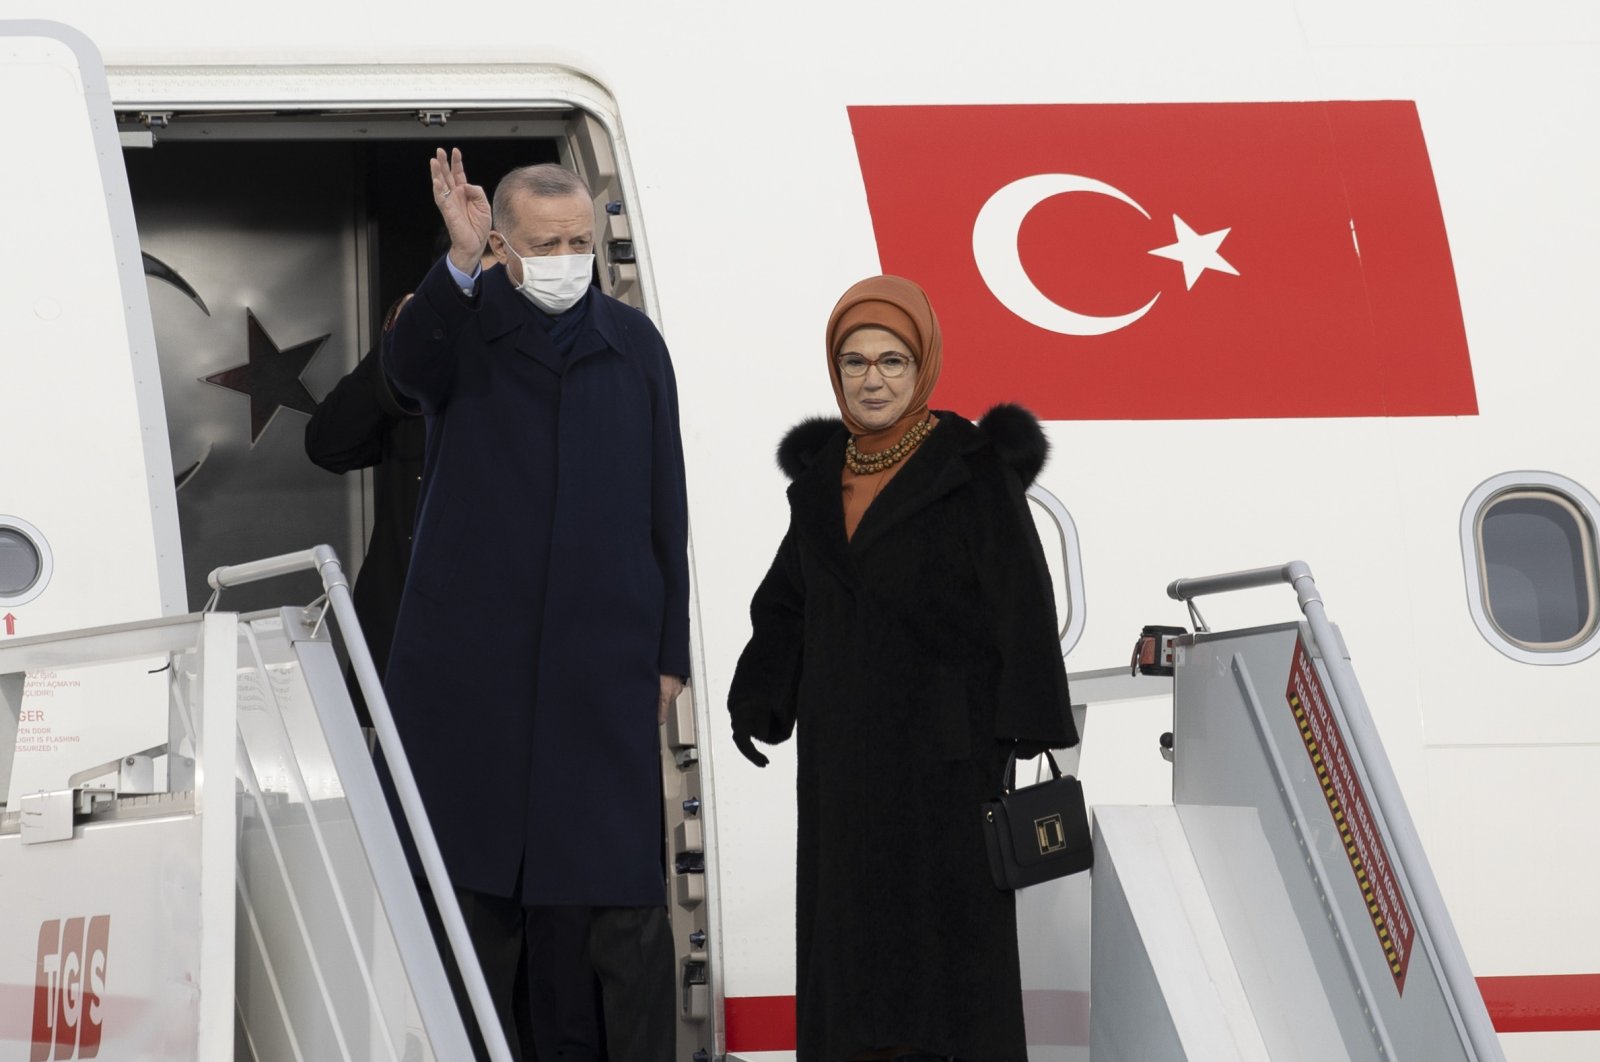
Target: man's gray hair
[546,180]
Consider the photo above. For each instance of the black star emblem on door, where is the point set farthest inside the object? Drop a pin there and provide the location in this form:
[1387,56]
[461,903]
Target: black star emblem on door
[271,377]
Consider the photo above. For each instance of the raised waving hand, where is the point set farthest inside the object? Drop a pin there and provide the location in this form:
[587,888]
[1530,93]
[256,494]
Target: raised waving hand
[463,206]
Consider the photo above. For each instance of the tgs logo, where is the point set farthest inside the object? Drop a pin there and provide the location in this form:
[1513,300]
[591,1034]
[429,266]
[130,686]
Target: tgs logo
[70,993]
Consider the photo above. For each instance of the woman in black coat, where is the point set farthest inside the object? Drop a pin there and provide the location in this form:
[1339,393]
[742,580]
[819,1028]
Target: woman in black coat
[908,626]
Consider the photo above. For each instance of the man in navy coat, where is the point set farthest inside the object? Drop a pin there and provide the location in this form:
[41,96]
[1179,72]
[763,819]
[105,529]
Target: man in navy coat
[544,627]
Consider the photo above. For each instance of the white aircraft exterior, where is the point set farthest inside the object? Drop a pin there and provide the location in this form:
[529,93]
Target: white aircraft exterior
[741,135]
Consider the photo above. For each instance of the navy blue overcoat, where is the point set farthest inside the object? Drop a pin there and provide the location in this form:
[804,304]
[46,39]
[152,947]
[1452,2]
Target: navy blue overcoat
[548,591]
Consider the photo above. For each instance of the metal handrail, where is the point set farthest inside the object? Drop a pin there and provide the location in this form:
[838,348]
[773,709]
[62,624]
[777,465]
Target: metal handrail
[1071,565]
[1433,921]
[325,563]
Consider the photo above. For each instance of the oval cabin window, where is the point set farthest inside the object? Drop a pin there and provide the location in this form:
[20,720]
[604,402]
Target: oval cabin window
[20,563]
[1533,567]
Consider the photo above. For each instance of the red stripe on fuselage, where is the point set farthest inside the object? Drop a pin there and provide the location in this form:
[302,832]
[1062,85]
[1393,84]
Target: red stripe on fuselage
[1537,1003]
[1543,1002]
[767,1023]
[759,1023]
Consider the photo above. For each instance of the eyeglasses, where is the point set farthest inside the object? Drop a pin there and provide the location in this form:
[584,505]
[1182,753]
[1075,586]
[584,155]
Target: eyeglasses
[890,366]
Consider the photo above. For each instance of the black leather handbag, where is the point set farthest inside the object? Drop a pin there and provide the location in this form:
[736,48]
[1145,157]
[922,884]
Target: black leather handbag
[1039,833]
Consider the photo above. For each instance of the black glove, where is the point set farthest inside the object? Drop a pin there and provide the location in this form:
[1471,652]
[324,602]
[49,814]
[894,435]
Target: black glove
[748,749]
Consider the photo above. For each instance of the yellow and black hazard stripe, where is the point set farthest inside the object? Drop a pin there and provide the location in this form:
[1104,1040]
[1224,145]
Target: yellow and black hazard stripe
[1347,836]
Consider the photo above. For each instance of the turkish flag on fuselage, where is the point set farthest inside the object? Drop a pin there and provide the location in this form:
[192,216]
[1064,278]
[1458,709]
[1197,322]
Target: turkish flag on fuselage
[1174,261]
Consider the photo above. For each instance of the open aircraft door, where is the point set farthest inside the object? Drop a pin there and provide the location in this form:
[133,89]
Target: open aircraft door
[88,522]
[81,390]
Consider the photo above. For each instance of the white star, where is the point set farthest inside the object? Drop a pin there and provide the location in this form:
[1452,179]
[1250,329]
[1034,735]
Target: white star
[1197,252]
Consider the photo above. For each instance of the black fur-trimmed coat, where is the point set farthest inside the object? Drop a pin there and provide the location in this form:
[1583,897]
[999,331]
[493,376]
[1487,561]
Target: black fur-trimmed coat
[911,657]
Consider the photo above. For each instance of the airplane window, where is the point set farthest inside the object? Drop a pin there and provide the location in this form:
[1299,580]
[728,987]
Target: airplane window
[1534,564]
[20,563]
[1533,567]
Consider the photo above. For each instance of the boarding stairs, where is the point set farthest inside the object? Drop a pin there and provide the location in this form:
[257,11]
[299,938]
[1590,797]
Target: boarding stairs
[238,890]
[1282,906]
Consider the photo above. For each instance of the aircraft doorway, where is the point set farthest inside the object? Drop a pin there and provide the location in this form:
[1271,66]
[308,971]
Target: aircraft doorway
[272,263]
[275,243]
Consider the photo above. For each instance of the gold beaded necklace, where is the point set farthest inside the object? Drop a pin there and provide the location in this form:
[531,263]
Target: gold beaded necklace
[867,464]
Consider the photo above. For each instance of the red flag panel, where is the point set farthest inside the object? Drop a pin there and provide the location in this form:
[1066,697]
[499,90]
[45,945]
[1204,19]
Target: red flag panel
[1174,261]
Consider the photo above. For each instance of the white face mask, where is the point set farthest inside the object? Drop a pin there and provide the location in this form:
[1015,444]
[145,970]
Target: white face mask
[556,282]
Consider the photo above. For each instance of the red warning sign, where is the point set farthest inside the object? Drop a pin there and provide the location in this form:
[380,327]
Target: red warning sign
[1341,788]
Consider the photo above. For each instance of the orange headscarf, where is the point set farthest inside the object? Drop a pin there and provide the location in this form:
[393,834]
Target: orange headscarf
[901,307]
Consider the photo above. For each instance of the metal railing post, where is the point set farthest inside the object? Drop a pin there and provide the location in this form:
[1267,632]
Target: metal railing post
[325,563]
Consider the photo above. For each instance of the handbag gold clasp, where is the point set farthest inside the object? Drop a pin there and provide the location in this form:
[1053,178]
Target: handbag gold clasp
[1051,835]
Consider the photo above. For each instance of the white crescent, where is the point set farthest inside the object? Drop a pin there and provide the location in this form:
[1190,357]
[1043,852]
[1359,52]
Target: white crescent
[994,246]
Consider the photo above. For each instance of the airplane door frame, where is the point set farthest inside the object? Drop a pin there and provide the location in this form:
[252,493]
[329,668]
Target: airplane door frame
[330,100]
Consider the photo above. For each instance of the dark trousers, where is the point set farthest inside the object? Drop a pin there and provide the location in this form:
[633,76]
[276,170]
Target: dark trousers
[631,950]
[549,968]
